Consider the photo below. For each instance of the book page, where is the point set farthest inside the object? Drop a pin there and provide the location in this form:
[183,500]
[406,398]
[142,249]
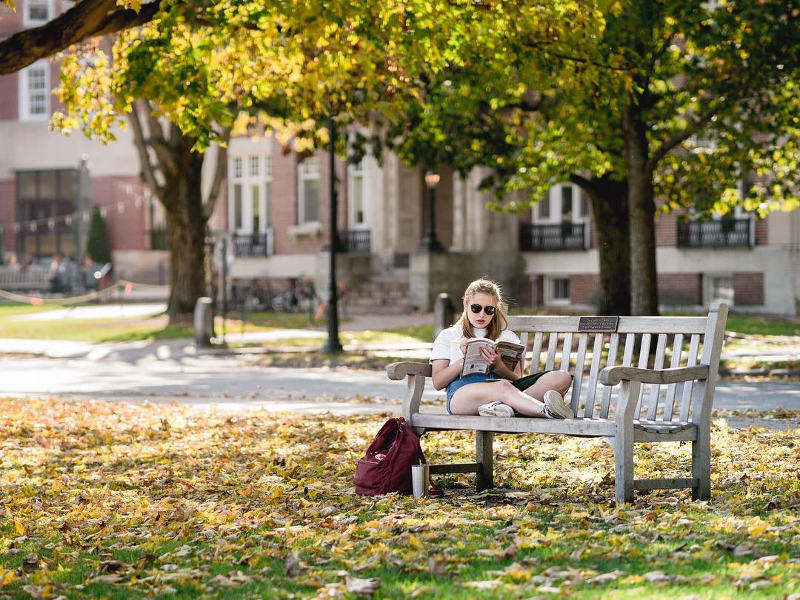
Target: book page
[510,353]
[473,361]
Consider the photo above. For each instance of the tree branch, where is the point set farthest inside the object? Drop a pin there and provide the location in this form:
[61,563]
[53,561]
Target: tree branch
[158,142]
[148,172]
[219,174]
[87,19]
[679,137]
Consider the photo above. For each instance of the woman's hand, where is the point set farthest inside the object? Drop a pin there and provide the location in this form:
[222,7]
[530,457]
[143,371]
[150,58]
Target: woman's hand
[491,356]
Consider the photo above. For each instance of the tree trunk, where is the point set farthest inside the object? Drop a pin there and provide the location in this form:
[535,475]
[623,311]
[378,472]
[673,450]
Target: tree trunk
[610,215]
[186,223]
[642,212]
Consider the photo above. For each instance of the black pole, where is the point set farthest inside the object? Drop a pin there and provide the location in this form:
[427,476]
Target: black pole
[430,241]
[333,344]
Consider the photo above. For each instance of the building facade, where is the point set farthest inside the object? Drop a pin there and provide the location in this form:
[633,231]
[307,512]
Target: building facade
[271,223]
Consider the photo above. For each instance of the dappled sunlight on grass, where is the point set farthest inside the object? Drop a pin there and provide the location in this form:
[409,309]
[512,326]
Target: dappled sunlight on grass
[100,499]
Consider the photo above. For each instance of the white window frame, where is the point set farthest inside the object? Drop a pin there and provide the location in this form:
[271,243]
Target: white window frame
[710,295]
[25,91]
[252,171]
[307,170]
[554,197]
[358,176]
[27,21]
[550,298]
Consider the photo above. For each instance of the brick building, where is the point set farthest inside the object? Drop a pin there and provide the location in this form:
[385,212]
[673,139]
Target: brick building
[273,216]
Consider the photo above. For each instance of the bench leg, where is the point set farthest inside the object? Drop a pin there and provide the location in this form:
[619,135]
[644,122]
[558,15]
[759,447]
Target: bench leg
[701,465]
[484,457]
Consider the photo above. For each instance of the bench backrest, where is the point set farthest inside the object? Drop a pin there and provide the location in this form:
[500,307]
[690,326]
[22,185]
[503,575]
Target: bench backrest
[25,278]
[645,342]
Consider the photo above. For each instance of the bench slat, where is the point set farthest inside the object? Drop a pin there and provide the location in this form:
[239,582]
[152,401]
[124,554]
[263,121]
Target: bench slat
[546,323]
[566,351]
[644,357]
[669,400]
[578,376]
[552,343]
[665,484]
[594,427]
[594,369]
[613,343]
[536,352]
[691,361]
[523,339]
[654,389]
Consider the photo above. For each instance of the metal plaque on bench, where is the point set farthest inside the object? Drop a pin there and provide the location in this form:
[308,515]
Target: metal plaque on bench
[598,324]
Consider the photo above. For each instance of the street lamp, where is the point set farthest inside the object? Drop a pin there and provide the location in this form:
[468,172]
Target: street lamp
[429,242]
[332,344]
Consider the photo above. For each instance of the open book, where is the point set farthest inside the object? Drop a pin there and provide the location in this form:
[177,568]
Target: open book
[510,352]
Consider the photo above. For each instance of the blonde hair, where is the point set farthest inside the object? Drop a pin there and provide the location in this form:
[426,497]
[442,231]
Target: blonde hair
[498,324]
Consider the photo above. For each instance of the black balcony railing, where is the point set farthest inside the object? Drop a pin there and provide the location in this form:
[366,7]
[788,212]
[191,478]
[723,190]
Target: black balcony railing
[722,233]
[560,236]
[355,240]
[252,244]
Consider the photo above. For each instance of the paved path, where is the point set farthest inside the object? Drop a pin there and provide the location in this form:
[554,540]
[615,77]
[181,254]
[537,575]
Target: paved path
[173,371]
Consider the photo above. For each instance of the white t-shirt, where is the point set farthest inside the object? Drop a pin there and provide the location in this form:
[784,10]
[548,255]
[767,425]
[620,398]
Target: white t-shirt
[448,343]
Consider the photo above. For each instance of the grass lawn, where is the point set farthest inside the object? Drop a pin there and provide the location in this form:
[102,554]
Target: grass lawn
[102,500]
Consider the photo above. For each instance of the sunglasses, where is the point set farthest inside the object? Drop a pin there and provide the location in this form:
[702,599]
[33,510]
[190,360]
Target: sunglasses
[476,308]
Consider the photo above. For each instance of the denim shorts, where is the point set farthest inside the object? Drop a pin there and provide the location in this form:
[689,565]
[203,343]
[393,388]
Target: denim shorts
[523,383]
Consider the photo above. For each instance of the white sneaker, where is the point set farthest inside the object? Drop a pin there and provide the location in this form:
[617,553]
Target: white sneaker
[555,407]
[495,409]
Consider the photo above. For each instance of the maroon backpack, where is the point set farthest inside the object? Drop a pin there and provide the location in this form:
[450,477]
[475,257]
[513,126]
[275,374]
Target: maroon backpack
[386,466]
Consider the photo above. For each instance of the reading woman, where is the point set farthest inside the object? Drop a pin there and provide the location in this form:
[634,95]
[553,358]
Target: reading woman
[503,392]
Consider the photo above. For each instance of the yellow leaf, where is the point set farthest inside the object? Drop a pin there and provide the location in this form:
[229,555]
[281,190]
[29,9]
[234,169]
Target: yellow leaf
[6,577]
[756,526]
[19,527]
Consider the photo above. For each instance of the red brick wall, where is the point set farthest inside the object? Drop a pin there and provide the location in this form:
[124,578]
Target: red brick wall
[126,221]
[748,289]
[584,289]
[11,21]
[8,209]
[284,210]
[667,229]
[762,237]
[680,288]
[9,97]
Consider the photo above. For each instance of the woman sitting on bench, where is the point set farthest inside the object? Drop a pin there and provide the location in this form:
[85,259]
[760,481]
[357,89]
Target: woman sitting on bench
[503,392]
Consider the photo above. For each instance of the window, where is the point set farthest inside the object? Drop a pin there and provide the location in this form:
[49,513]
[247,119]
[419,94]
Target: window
[46,206]
[544,207]
[308,191]
[34,92]
[250,182]
[719,287]
[37,12]
[563,203]
[358,196]
[557,290]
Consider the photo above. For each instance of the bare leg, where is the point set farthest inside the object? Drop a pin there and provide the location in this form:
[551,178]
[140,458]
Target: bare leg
[467,399]
[559,381]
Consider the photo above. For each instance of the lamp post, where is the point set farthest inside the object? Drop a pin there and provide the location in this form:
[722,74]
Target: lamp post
[332,344]
[429,242]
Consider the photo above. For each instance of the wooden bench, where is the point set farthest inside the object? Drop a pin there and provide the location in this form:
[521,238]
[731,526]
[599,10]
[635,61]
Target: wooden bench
[635,379]
[32,278]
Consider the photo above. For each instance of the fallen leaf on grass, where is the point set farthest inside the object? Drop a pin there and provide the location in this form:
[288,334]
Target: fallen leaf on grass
[362,587]
[483,585]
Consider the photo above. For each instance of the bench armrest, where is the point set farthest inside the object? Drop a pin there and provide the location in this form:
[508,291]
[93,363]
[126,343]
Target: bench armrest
[399,370]
[415,374]
[613,375]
